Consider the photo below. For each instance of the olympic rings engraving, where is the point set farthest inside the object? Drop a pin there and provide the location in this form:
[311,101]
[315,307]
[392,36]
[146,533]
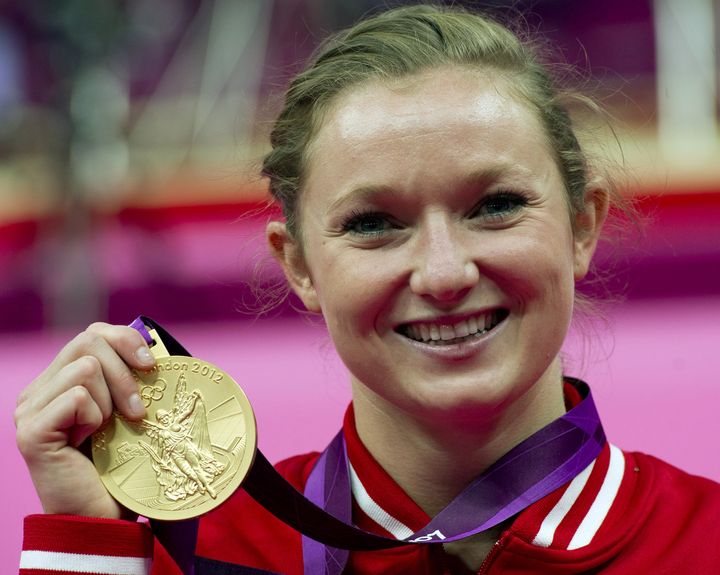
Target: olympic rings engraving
[150,393]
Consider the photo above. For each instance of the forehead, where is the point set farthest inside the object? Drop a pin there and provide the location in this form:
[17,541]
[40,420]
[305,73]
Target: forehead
[413,113]
[426,127]
[434,98]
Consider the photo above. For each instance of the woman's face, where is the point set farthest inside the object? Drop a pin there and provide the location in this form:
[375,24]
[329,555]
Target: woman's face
[437,242]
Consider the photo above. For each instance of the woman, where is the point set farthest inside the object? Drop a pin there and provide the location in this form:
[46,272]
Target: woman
[438,211]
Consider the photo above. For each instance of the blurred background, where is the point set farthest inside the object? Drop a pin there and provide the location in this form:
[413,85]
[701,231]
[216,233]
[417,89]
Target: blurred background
[131,134]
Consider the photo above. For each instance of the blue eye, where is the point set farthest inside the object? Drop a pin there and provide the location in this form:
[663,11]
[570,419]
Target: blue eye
[499,205]
[367,224]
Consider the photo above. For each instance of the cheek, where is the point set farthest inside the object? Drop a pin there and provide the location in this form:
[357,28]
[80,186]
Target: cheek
[532,269]
[352,294]
[539,282]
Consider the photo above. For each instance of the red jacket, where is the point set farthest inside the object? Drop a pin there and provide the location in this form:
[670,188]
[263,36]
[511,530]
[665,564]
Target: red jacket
[627,513]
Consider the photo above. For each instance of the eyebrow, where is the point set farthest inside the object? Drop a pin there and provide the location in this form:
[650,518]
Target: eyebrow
[363,194]
[482,177]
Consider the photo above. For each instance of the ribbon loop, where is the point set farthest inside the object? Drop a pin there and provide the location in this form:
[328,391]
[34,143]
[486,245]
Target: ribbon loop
[539,465]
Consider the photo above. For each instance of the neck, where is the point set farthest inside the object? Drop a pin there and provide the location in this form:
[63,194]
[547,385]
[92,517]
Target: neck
[439,454]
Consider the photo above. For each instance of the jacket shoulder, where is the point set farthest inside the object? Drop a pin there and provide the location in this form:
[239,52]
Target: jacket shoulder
[679,524]
[671,481]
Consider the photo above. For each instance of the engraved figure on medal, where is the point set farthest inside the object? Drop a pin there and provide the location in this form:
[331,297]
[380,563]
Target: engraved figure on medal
[192,450]
[181,452]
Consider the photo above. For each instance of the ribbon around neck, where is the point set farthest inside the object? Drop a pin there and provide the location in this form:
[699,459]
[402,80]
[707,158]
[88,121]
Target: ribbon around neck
[539,465]
[545,461]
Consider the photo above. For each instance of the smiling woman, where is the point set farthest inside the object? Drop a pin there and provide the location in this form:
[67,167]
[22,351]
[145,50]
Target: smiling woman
[438,211]
[434,259]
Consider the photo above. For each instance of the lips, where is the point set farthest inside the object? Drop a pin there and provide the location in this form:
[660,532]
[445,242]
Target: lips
[452,332]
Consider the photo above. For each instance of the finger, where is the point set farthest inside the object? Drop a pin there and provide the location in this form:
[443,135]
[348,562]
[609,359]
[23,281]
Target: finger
[127,342]
[88,418]
[65,480]
[68,419]
[133,351]
[118,348]
[86,372]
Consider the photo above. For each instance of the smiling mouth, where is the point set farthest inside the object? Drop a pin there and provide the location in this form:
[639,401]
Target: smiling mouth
[452,333]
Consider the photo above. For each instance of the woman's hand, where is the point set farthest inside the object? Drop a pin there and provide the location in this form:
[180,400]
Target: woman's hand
[71,399]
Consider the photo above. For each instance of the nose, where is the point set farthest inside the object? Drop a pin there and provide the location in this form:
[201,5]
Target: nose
[443,268]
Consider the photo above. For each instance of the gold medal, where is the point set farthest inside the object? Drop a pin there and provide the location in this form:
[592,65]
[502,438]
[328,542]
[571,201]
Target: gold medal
[192,450]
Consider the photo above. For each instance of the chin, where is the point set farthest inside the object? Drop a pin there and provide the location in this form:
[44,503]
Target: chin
[463,401]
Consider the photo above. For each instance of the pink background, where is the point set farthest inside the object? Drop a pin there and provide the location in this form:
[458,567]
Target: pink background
[179,241]
[653,368]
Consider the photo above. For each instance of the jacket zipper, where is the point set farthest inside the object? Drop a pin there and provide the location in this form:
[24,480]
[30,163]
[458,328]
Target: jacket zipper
[490,558]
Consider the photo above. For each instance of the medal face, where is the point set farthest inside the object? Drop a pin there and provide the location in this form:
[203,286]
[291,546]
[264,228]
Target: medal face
[192,450]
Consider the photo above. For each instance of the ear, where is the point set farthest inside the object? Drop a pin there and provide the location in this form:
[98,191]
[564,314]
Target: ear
[588,225]
[288,252]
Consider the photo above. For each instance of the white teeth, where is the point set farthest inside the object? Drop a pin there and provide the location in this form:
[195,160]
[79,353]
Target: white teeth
[462,329]
[447,332]
[435,332]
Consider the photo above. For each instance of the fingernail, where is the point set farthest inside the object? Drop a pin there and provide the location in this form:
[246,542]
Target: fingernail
[136,405]
[144,356]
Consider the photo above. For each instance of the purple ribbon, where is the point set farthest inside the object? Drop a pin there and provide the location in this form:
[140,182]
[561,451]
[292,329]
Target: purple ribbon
[140,326]
[539,465]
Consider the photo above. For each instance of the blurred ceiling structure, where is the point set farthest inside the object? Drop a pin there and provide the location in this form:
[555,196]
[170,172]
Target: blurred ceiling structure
[145,111]
[116,102]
